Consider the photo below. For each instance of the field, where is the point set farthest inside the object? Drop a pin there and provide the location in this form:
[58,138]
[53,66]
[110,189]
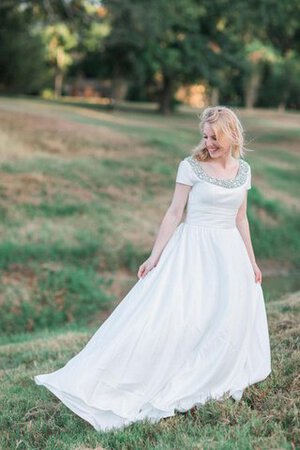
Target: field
[82,194]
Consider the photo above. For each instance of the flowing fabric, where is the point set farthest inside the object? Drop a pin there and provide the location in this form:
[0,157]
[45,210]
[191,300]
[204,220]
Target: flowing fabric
[194,329]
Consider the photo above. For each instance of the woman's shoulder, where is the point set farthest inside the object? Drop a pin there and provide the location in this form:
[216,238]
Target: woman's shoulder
[243,161]
[188,158]
[245,165]
[245,173]
[185,172]
[187,162]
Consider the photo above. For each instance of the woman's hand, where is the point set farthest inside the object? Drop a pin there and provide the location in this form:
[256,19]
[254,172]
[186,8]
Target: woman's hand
[257,273]
[146,267]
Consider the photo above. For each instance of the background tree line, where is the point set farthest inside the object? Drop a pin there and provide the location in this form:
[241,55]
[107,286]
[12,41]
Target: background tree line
[244,53]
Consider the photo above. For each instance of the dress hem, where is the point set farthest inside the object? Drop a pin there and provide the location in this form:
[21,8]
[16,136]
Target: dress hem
[236,393]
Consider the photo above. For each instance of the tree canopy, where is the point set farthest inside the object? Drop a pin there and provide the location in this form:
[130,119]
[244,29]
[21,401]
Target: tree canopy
[237,50]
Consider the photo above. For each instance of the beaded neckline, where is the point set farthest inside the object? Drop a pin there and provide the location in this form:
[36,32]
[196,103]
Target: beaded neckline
[239,179]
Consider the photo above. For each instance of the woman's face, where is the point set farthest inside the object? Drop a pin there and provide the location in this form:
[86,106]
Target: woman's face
[214,147]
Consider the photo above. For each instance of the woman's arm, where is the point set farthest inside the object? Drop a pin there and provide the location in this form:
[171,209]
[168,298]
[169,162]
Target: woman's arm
[167,227]
[243,227]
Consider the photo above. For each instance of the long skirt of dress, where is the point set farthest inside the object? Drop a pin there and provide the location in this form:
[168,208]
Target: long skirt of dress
[194,329]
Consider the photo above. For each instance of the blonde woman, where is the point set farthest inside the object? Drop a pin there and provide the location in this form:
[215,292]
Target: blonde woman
[194,327]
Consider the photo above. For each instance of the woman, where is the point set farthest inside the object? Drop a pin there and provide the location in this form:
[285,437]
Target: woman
[194,326]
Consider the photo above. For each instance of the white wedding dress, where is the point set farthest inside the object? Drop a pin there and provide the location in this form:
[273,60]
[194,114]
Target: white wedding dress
[194,329]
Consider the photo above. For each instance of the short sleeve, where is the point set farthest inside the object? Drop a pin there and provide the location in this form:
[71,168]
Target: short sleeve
[185,173]
[248,182]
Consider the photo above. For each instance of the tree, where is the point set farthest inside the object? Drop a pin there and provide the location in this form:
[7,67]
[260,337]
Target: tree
[268,32]
[59,41]
[171,41]
[258,56]
[32,33]
[22,66]
[280,83]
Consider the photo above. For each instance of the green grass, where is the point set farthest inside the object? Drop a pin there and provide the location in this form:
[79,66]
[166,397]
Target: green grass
[266,417]
[67,294]
[268,238]
[82,194]
[283,179]
[289,136]
[12,253]
[86,211]
[54,210]
[281,155]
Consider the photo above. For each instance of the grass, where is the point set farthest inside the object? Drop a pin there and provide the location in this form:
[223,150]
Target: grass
[78,184]
[271,225]
[283,179]
[59,295]
[280,155]
[266,417]
[82,194]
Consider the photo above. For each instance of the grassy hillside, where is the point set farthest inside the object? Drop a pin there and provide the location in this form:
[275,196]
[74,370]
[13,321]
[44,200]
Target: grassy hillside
[82,194]
[267,417]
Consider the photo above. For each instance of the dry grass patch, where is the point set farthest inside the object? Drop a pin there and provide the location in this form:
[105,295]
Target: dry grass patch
[140,227]
[18,284]
[274,194]
[68,339]
[278,119]
[274,267]
[122,281]
[265,217]
[21,188]
[62,137]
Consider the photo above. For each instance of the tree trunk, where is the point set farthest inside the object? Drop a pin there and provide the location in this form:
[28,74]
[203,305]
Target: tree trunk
[281,106]
[215,96]
[283,100]
[116,86]
[166,106]
[252,87]
[58,83]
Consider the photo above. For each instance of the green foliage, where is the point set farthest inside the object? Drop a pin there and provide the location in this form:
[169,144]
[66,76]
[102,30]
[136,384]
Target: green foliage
[244,53]
[59,40]
[216,43]
[164,52]
[18,72]
[280,84]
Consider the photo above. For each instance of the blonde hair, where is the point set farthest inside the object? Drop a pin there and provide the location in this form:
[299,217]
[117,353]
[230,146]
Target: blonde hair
[224,122]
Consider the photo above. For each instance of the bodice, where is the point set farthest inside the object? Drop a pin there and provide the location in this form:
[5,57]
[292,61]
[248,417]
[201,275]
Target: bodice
[213,202]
